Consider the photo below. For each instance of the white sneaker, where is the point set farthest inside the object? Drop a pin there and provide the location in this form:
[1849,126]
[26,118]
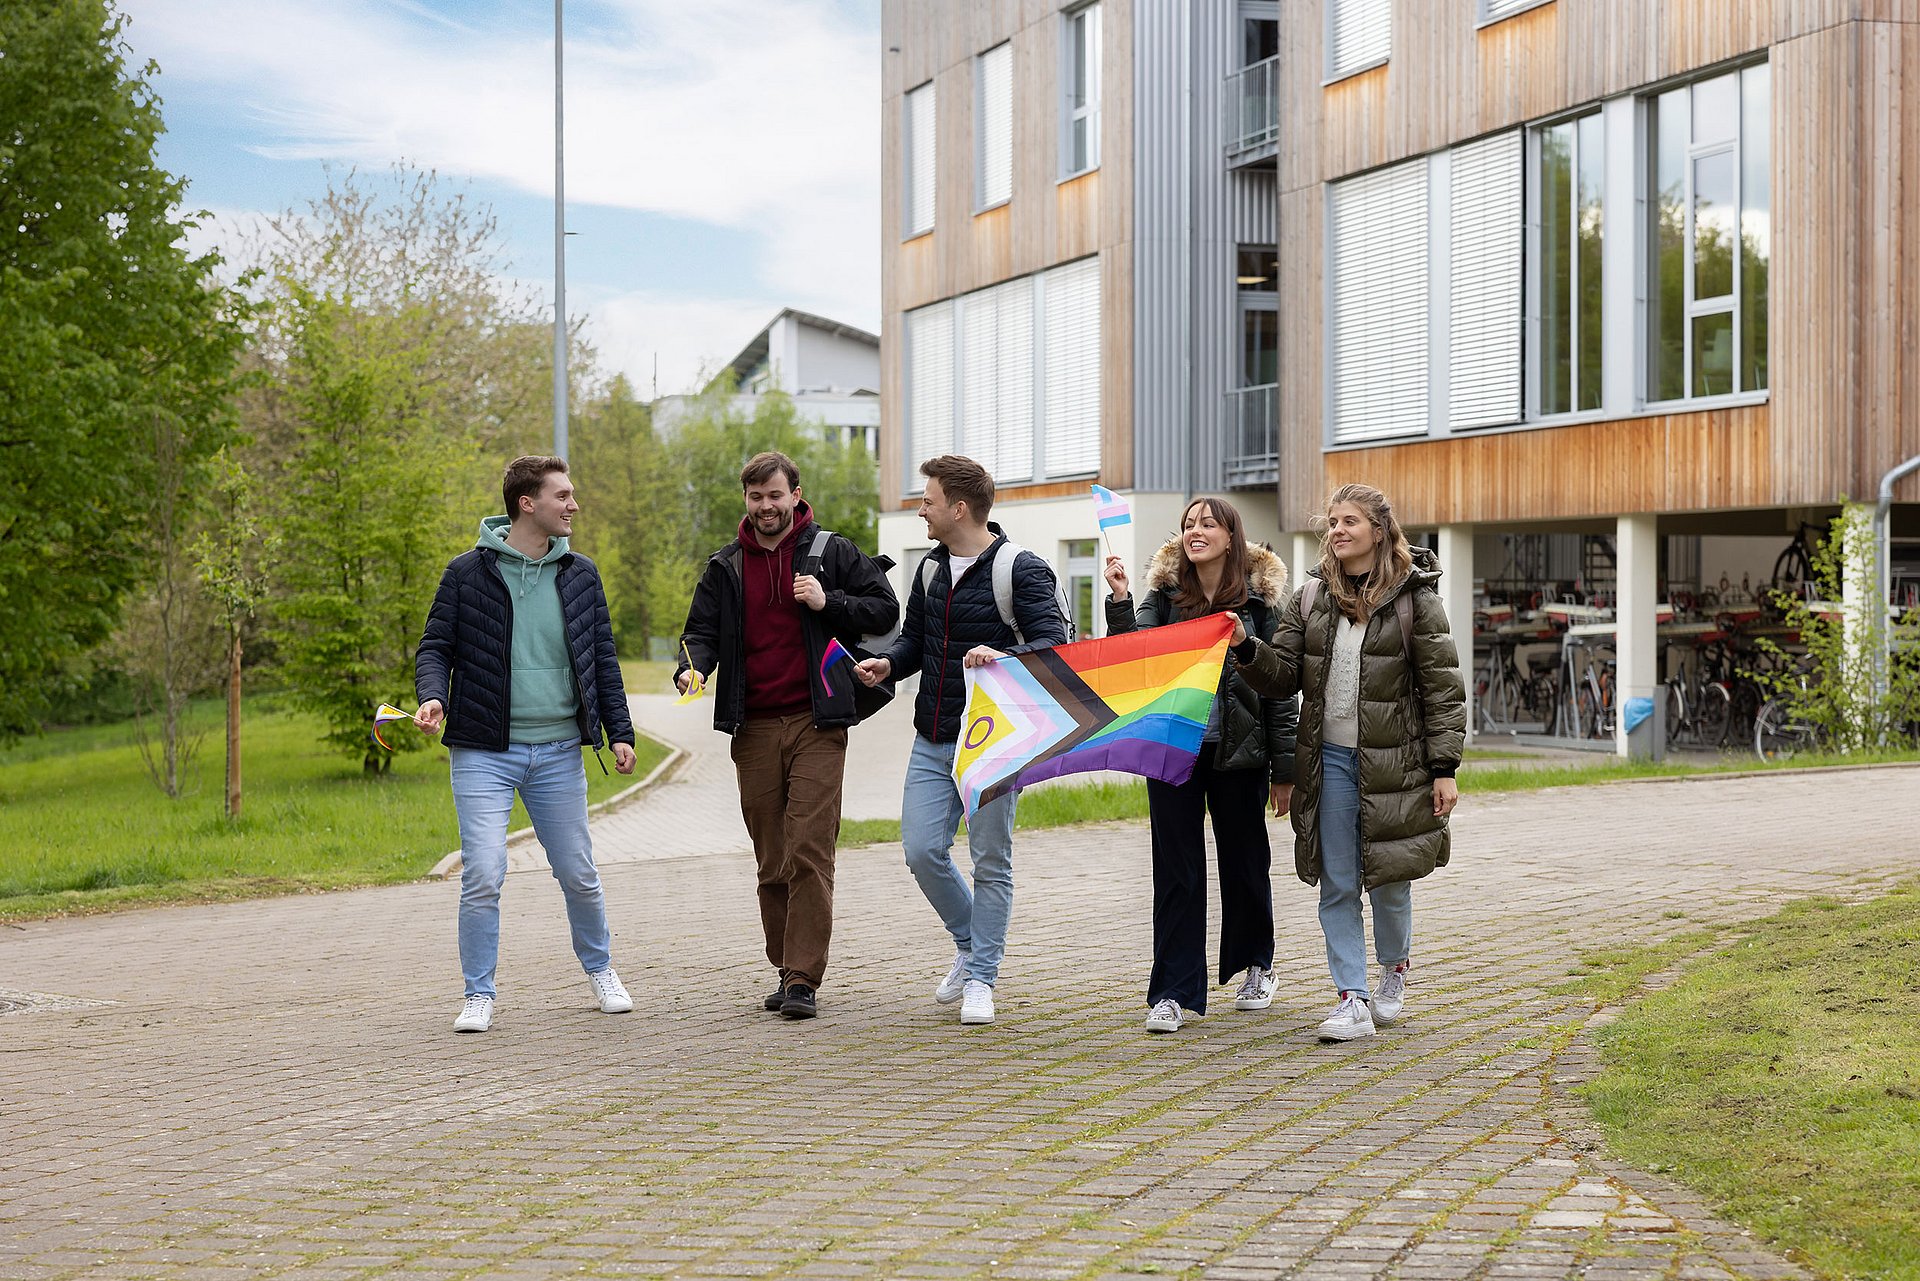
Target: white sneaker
[978,1005]
[1351,1020]
[476,1015]
[608,991]
[1390,995]
[1256,990]
[1164,1016]
[954,986]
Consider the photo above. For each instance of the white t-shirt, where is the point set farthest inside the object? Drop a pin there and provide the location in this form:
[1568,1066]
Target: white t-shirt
[958,565]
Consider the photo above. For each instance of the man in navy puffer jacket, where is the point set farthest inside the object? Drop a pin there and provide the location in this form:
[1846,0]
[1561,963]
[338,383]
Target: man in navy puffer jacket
[953,623]
[519,646]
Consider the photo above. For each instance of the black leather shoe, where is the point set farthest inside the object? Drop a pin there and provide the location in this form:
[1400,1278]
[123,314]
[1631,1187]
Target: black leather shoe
[775,999]
[798,1003]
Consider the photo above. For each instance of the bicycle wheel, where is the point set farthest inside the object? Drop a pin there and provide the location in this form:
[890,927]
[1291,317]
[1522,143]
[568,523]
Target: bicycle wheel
[1676,709]
[1779,734]
[1586,714]
[1713,715]
[1792,570]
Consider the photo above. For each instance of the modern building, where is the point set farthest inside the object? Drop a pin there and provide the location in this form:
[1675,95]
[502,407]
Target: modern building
[1609,295]
[830,370]
[1078,275]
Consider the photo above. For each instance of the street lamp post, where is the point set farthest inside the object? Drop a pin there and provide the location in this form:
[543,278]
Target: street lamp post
[559,238]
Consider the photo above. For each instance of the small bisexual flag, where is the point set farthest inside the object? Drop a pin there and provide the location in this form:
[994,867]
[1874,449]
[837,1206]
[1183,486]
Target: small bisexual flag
[836,653]
[1110,508]
[384,714]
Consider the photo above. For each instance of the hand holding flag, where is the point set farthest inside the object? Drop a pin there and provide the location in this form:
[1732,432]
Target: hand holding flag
[1112,512]
[386,714]
[692,683]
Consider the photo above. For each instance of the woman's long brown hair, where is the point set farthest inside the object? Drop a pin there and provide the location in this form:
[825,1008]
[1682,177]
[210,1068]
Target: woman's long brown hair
[1190,598]
[1392,560]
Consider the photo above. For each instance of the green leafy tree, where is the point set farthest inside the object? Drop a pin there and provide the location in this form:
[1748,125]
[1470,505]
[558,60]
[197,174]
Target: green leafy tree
[234,556]
[616,461]
[115,335]
[400,376]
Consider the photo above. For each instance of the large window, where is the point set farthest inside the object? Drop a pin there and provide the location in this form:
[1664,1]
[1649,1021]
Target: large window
[1359,34]
[1709,237]
[1572,181]
[917,211]
[1009,376]
[993,126]
[1379,304]
[1080,84]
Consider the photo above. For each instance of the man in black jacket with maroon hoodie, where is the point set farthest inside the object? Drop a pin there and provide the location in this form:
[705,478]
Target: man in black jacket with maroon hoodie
[765,608]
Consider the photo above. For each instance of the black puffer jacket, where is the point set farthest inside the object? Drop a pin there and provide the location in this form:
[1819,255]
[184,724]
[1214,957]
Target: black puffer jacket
[465,657]
[1255,732]
[944,622]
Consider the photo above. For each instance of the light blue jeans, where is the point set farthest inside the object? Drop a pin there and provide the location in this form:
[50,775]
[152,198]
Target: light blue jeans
[930,814]
[552,782]
[1340,882]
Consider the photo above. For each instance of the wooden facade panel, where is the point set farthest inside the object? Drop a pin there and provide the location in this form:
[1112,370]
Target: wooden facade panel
[1677,462]
[1888,382]
[1302,354]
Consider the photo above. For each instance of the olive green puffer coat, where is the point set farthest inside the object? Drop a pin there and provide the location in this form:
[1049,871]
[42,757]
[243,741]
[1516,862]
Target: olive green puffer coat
[1255,732]
[1407,728]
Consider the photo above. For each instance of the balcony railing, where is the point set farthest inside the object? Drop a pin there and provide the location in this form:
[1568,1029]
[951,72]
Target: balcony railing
[1253,111]
[1253,441]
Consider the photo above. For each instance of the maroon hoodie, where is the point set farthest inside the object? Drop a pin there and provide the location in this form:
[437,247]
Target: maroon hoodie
[775,639]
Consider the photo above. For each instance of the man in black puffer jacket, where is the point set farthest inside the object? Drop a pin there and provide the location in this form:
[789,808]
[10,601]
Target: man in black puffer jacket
[954,622]
[518,664]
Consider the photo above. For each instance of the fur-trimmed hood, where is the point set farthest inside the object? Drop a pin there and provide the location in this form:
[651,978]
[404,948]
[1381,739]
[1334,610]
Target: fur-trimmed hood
[1266,572]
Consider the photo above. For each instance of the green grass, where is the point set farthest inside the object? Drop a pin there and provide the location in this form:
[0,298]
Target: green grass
[85,829]
[1780,1076]
[1612,769]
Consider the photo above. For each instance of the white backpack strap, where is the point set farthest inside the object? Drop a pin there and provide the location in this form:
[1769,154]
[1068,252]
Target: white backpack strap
[1308,591]
[927,571]
[1003,586]
[817,550]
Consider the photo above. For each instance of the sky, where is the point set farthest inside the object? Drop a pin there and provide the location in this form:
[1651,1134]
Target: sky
[723,156]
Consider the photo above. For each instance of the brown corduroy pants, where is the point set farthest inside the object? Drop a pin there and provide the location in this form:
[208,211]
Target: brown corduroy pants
[790,775]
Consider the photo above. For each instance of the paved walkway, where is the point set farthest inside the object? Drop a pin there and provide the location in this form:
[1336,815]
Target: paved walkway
[271,1088]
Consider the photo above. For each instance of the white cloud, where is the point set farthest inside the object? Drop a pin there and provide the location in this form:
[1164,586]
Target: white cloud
[759,118]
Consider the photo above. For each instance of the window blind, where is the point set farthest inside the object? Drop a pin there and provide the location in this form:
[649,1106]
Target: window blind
[1361,32]
[1496,9]
[929,387]
[920,160]
[1072,393]
[1380,304]
[1485,282]
[993,126]
[996,397]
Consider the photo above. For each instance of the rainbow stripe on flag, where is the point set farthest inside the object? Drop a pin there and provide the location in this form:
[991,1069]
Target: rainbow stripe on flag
[1137,703]
[1111,509]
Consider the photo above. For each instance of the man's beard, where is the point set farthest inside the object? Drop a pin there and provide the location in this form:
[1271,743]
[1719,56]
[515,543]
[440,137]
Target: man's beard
[785,519]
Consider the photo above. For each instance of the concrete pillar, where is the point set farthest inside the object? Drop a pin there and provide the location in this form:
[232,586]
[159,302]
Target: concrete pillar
[1456,593]
[1637,641]
[1302,555]
[1863,612]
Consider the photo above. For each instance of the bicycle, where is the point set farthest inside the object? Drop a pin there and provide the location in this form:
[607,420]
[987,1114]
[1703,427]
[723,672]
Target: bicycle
[1793,569]
[1779,732]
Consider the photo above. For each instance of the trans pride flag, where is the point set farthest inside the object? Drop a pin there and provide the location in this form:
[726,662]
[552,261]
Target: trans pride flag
[1137,702]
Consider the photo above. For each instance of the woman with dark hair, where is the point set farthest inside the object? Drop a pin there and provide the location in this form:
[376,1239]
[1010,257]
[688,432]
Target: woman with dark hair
[1365,642]
[1245,764]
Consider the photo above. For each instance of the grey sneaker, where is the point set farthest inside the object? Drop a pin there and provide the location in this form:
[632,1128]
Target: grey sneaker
[608,991]
[954,986]
[1351,1020]
[1164,1016]
[476,1015]
[1256,989]
[1390,995]
[978,1005]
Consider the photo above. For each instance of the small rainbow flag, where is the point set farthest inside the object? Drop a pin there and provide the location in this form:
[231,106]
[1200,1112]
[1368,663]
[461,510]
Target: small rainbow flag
[385,714]
[836,653]
[1110,508]
[1137,702]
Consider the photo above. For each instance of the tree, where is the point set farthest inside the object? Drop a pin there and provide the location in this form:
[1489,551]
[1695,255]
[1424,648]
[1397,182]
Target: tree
[400,374]
[234,557]
[616,461]
[111,328]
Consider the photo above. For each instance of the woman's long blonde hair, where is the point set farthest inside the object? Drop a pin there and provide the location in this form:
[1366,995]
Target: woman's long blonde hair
[1392,562]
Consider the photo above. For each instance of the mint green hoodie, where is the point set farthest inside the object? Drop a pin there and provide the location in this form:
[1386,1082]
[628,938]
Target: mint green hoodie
[545,708]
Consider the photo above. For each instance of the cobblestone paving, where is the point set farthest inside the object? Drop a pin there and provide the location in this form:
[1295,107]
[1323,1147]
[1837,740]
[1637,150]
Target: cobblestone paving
[275,1089]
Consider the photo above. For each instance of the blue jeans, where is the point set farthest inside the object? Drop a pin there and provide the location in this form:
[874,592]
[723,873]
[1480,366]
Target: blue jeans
[552,782]
[930,814]
[1341,879]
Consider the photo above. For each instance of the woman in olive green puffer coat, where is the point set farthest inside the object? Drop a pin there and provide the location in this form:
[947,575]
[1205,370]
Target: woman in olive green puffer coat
[1245,764]
[1382,726]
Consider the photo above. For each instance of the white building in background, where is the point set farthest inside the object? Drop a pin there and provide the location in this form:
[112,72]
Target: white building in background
[830,370]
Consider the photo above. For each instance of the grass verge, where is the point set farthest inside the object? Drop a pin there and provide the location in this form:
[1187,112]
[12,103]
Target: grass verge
[84,828]
[1780,1077]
